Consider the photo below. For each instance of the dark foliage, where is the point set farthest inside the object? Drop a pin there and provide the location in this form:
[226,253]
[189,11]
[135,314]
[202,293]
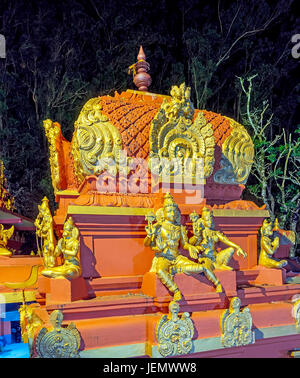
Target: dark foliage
[60,54]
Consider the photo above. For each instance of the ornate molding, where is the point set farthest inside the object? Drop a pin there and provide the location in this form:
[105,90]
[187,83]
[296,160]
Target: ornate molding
[174,334]
[236,325]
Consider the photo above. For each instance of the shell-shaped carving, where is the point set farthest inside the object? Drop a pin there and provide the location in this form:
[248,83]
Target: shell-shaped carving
[238,155]
[95,140]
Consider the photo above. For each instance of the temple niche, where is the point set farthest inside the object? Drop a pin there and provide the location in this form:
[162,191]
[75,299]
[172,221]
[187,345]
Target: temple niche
[150,212]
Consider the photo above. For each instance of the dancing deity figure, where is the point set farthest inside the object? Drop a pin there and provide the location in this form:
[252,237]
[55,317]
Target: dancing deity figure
[165,237]
[268,247]
[44,230]
[68,248]
[205,237]
[5,235]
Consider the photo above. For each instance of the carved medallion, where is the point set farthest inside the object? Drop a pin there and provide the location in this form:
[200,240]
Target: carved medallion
[236,325]
[60,342]
[174,334]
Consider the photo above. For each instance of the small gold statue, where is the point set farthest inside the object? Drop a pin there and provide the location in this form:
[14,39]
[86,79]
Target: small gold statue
[205,237]
[268,247]
[174,333]
[164,237]
[44,230]
[5,235]
[68,247]
[29,322]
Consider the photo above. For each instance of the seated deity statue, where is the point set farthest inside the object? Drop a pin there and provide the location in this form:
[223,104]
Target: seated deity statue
[68,248]
[5,235]
[44,230]
[204,239]
[164,237]
[268,246]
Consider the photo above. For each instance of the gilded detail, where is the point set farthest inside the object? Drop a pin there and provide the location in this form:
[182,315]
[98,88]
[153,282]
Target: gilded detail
[177,143]
[52,131]
[269,243]
[236,325]
[205,237]
[68,248]
[97,143]
[58,341]
[237,156]
[174,333]
[46,240]
[5,235]
[165,236]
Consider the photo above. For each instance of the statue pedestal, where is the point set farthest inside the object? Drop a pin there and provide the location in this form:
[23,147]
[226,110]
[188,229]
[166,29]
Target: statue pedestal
[268,276]
[62,290]
[189,284]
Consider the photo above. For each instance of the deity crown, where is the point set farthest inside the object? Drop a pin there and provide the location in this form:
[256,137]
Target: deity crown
[169,201]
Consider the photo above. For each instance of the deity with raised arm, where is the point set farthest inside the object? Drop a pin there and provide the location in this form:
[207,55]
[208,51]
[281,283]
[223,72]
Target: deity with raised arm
[205,238]
[164,237]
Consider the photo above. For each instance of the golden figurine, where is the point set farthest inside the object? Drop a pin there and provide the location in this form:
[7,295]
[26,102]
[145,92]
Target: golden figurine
[205,237]
[29,322]
[45,231]
[174,333]
[5,235]
[268,246]
[68,247]
[236,325]
[165,237]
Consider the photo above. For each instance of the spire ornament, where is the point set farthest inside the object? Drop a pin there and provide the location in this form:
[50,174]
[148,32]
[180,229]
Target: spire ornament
[141,78]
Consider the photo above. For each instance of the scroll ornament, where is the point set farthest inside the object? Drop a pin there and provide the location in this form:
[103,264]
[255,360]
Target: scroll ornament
[97,144]
[175,333]
[58,342]
[236,325]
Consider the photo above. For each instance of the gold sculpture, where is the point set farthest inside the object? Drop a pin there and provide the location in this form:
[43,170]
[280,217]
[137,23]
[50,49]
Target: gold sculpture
[30,322]
[174,334]
[5,235]
[45,231]
[58,341]
[268,246]
[174,136]
[164,237]
[52,132]
[68,248]
[205,237]
[236,325]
